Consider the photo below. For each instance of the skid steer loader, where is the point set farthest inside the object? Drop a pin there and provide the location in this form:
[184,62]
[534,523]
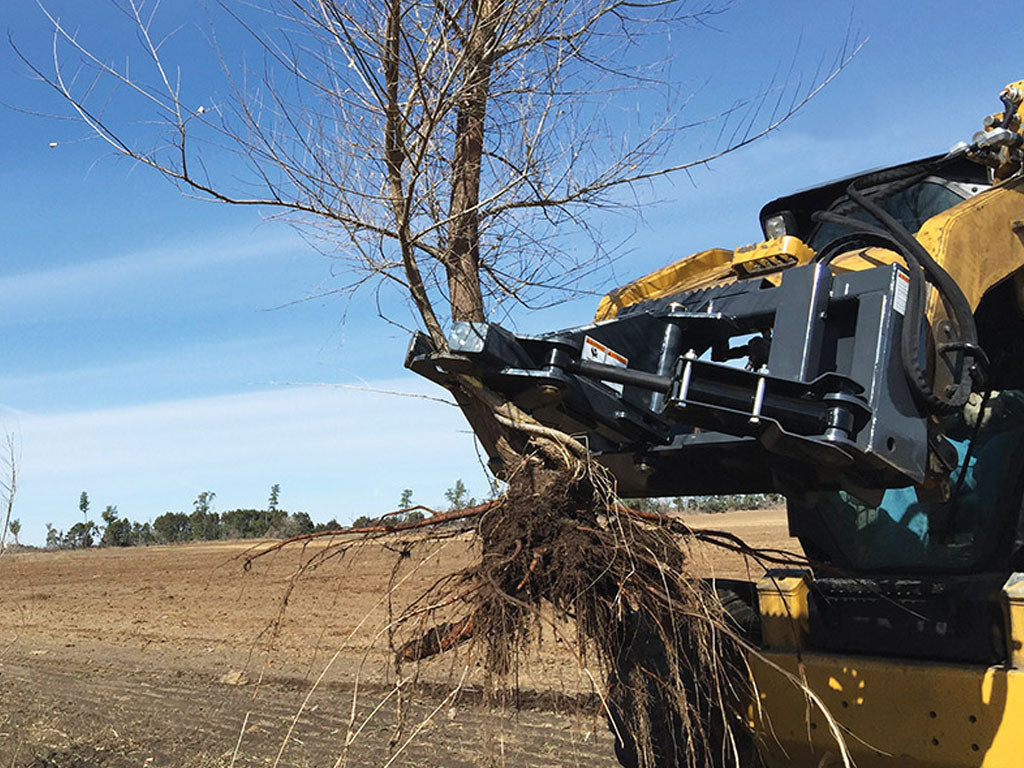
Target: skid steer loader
[866,360]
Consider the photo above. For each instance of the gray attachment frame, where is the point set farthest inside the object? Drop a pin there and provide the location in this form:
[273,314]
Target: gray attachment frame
[830,408]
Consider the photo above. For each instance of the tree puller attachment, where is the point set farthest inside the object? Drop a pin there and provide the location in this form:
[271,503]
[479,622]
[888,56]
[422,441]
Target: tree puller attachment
[866,360]
[853,334]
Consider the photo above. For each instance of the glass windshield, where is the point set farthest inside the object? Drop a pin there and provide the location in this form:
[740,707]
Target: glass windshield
[905,533]
[911,207]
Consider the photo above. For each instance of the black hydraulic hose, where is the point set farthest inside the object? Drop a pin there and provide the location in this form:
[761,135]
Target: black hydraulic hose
[952,296]
[866,235]
[910,349]
[939,277]
[887,183]
[905,175]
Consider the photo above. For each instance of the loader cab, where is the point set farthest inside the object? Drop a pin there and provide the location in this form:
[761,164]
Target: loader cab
[910,199]
[977,529]
[974,529]
[919,574]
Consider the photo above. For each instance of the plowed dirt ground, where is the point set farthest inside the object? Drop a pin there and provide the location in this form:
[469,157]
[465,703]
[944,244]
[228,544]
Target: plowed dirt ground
[176,656]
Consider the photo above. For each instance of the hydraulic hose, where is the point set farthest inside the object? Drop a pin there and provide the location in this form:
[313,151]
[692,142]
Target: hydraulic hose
[910,340]
[922,269]
[955,301]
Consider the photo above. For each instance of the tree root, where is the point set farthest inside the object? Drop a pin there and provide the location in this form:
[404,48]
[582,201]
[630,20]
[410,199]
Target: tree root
[557,552]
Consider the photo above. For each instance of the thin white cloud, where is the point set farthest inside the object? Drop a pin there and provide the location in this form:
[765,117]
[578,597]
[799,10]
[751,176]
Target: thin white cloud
[203,362]
[117,274]
[288,423]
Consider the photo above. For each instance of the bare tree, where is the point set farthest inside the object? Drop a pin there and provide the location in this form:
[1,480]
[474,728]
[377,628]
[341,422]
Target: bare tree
[439,145]
[8,488]
[444,147]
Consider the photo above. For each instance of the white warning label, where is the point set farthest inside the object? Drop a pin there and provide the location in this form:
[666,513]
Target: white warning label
[596,352]
[899,297]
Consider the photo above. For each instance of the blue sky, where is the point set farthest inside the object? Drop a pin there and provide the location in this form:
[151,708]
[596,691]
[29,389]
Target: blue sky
[156,346]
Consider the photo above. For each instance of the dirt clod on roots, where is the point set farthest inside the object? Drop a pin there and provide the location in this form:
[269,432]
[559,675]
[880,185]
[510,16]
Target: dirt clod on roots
[556,551]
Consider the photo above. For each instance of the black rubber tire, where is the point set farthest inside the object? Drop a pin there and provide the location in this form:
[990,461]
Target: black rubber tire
[739,598]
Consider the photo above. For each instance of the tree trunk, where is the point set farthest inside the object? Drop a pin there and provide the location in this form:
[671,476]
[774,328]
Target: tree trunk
[463,254]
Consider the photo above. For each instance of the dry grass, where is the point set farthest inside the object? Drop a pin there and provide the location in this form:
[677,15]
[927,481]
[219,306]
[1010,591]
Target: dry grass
[177,618]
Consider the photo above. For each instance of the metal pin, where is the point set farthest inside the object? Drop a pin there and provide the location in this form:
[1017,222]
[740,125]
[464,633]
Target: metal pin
[755,415]
[684,386]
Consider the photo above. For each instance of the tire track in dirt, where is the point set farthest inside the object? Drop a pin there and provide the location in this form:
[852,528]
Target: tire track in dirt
[143,716]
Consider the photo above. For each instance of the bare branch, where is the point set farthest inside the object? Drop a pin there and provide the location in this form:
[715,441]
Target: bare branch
[443,144]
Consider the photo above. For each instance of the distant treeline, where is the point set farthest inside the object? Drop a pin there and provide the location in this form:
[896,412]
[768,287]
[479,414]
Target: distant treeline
[204,524]
[723,503]
[171,527]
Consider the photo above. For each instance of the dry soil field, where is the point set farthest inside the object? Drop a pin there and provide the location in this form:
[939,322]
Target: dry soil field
[176,656]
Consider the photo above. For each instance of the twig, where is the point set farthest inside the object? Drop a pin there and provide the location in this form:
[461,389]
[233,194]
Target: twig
[438,518]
